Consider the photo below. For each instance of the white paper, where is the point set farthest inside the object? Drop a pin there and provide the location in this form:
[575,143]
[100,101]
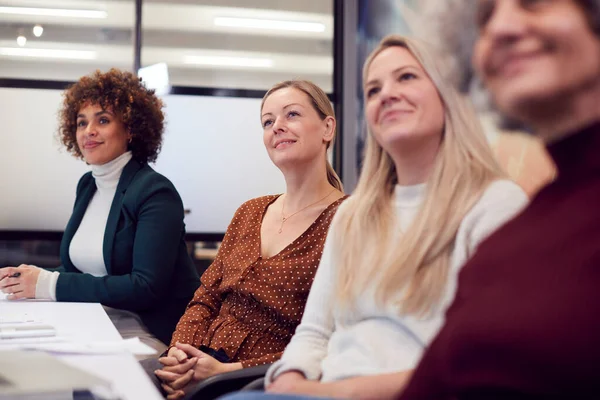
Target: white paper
[132,346]
[16,344]
[10,317]
[24,330]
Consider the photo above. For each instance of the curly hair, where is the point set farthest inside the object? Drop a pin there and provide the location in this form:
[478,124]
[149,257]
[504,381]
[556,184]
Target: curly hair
[126,96]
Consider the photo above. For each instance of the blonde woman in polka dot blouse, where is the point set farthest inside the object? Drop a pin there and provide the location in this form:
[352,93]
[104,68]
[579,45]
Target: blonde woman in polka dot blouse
[252,297]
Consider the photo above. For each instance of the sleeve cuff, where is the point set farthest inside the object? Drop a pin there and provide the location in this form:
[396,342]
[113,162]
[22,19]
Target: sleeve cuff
[45,288]
[280,367]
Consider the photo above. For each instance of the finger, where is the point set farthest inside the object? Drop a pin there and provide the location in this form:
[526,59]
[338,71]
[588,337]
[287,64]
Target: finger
[8,282]
[168,361]
[190,350]
[167,376]
[172,393]
[17,295]
[175,396]
[167,388]
[182,368]
[6,271]
[179,354]
[183,381]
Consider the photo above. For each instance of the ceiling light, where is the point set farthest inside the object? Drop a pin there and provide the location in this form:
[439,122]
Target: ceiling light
[48,53]
[269,24]
[54,12]
[227,61]
[21,40]
[38,30]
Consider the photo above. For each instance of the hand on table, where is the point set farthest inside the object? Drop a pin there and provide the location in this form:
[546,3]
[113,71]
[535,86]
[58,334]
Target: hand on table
[22,286]
[180,377]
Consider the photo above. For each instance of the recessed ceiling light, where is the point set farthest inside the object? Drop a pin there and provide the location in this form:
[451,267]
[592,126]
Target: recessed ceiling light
[269,24]
[48,53]
[54,12]
[38,30]
[21,40]
[228,61]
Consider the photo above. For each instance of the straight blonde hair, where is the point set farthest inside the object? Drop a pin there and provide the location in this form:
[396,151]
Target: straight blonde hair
[415,265]
[322,105]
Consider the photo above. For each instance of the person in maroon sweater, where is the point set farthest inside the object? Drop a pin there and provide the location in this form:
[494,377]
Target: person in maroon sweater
[525,322]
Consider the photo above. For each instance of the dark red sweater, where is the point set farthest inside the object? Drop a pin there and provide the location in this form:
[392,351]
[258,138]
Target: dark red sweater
[526,319]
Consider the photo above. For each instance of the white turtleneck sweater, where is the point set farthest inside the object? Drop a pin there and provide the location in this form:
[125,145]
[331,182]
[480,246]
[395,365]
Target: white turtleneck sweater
[332,343]
[86,246]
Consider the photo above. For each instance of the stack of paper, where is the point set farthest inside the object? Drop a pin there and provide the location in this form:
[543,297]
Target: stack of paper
[25,330]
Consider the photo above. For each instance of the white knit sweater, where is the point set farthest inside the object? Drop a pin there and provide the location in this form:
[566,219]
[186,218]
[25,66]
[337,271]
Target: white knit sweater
[330,344]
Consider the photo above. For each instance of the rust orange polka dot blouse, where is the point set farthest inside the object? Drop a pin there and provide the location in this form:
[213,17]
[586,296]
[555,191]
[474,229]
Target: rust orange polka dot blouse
[247,305]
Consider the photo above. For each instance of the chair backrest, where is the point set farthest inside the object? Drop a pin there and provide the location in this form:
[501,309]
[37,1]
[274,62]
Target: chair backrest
[219,385]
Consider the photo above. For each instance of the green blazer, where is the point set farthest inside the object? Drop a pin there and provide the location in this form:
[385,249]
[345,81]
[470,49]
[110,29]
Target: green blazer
[149,268]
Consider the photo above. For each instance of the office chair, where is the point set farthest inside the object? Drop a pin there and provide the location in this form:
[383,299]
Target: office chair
[219,385]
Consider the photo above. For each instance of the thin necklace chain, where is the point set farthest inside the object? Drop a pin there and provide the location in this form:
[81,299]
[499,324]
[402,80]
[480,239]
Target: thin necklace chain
[284,219]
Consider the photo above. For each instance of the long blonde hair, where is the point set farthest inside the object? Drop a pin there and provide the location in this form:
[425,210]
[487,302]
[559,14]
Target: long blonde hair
[417,263]
[322,105]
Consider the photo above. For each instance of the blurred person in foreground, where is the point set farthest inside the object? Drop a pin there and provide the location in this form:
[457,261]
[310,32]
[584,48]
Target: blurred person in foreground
[525,323]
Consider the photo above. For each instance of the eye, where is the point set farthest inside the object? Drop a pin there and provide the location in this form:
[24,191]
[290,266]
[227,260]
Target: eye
[407,76]
[81,124]
[292,114]
[372,91]
[267,123]
[104,120]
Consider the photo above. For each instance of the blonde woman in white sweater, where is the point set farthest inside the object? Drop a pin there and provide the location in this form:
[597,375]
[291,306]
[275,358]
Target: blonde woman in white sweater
[430,191]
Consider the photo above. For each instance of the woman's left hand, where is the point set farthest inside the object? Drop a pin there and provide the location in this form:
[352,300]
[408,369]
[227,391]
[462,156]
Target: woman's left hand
[206,366]
[22,287]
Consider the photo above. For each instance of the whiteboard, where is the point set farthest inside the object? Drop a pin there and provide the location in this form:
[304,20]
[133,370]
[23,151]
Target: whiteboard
[212,152]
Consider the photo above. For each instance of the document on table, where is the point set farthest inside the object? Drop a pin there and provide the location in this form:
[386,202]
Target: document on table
[25,330]
[63,346]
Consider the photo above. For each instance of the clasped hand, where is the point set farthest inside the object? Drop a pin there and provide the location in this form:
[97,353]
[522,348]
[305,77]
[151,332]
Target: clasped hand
[184,366]
[21,287]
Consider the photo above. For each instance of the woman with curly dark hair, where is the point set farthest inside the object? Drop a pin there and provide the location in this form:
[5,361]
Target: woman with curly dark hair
[124,244]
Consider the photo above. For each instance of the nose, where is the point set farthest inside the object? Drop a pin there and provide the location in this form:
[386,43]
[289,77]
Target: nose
[90,129]
[278,125]
[507,23]
[389,93]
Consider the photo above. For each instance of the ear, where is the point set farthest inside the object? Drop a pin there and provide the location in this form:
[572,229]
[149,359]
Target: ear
[329,129]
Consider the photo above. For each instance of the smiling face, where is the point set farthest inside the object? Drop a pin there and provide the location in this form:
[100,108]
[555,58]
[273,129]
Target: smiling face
[293,130]
[535,55]
[403,107]
[101,136]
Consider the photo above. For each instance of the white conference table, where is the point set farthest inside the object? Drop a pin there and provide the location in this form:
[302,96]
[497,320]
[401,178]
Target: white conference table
[85,322]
